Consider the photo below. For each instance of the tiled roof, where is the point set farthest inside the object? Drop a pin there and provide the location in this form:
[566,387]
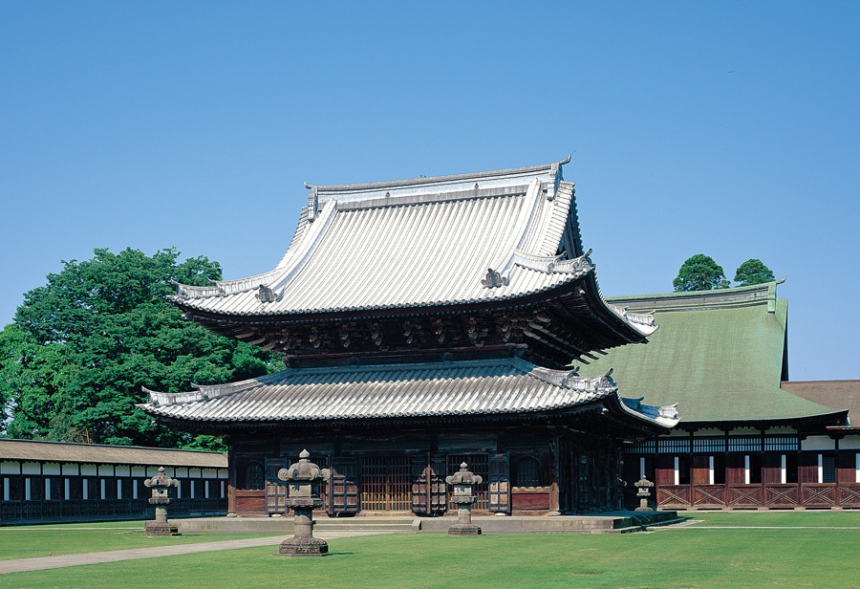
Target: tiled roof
[488,387]
[840,394]
[98,453]
[718,354]
[418,243]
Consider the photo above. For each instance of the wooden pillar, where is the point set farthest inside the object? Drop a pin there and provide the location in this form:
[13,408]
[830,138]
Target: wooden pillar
[836,468]
[799,477]
[553,492]
[231,482]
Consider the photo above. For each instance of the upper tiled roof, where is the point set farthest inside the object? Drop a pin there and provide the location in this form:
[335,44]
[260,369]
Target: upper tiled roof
[719,354]
[418,243]
[477,388]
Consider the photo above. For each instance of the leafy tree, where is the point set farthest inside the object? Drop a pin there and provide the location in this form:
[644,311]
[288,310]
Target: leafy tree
[73,361]
[753,272]
[700,272]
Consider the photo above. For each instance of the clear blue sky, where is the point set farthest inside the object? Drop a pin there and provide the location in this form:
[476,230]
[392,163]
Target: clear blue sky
[730,129]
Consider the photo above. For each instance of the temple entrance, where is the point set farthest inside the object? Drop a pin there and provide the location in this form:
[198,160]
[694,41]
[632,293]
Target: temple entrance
[386,483]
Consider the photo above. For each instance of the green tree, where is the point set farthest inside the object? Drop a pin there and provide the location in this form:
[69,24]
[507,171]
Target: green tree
[80,348]
[753,272]
[700,272]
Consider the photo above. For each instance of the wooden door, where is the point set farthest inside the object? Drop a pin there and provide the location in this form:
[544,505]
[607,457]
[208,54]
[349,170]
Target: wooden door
[276,490]
[499,484]
[343,496]
[429,490]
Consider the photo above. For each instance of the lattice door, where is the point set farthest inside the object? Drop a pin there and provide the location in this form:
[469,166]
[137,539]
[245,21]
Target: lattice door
[386,483]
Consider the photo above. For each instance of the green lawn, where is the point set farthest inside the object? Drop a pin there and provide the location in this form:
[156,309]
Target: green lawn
[693,557]
[777,518]
[33,541]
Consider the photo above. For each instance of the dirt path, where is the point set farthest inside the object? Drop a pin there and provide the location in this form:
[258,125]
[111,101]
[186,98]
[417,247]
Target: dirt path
[70,560]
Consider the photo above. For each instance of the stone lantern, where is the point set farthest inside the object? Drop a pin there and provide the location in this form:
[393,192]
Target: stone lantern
[303,495]
[464,482]
[644,491]
[160,484]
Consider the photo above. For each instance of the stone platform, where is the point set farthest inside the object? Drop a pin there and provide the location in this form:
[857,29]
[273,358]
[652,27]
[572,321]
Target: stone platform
[604,523]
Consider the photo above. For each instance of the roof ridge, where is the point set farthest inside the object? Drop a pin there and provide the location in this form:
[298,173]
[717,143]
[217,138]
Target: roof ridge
[697,293]
[439,179]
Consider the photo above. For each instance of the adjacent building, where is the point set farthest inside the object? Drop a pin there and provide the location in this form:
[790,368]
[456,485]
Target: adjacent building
[42,482]
[749,438]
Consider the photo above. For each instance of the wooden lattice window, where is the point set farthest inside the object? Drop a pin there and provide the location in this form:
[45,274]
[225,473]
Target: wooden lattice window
[527,472]
[254,476]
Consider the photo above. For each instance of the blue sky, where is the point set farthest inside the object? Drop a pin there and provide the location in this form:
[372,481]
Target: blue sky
[730,129]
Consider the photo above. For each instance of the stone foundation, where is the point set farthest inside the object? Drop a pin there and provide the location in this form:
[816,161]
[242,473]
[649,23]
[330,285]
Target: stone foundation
[303,547]
[464,530]
[156,528]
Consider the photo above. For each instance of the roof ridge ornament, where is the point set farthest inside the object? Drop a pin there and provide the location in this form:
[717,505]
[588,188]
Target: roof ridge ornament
[494,279]
[313,203]
[572,380]
[267,295]
[557,177]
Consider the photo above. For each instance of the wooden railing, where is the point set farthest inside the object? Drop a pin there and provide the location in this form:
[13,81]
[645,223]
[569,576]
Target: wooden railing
[768,496]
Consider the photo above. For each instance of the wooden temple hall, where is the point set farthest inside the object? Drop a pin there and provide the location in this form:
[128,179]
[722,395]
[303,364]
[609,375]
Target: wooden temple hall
[425,323]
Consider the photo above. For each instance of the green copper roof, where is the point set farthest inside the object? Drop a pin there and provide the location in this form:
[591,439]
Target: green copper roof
[719,354]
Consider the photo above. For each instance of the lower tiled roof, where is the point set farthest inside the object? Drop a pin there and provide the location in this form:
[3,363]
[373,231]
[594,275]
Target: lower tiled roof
[486,387]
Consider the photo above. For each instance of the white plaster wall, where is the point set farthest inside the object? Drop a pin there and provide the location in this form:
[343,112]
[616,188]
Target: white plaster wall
[31,468]
[850,443]
[818,443]
[10,468]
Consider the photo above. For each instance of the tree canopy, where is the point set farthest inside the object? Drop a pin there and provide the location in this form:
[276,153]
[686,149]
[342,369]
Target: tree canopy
[80,348]
[753,271]
[700,272]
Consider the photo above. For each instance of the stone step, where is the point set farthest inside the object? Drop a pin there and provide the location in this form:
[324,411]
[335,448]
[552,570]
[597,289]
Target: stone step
[620,522]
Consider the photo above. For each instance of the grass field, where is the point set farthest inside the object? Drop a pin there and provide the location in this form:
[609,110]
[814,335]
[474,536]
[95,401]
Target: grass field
[698,556]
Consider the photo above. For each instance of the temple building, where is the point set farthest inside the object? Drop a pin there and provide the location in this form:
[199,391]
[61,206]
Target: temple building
[750,438]
[425,323]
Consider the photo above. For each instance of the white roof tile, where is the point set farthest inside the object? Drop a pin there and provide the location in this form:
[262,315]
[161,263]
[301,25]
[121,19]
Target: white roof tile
[478,387]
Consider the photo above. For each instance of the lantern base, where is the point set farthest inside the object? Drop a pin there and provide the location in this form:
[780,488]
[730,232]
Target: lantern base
[154,528]
[303,547]
[464,530]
